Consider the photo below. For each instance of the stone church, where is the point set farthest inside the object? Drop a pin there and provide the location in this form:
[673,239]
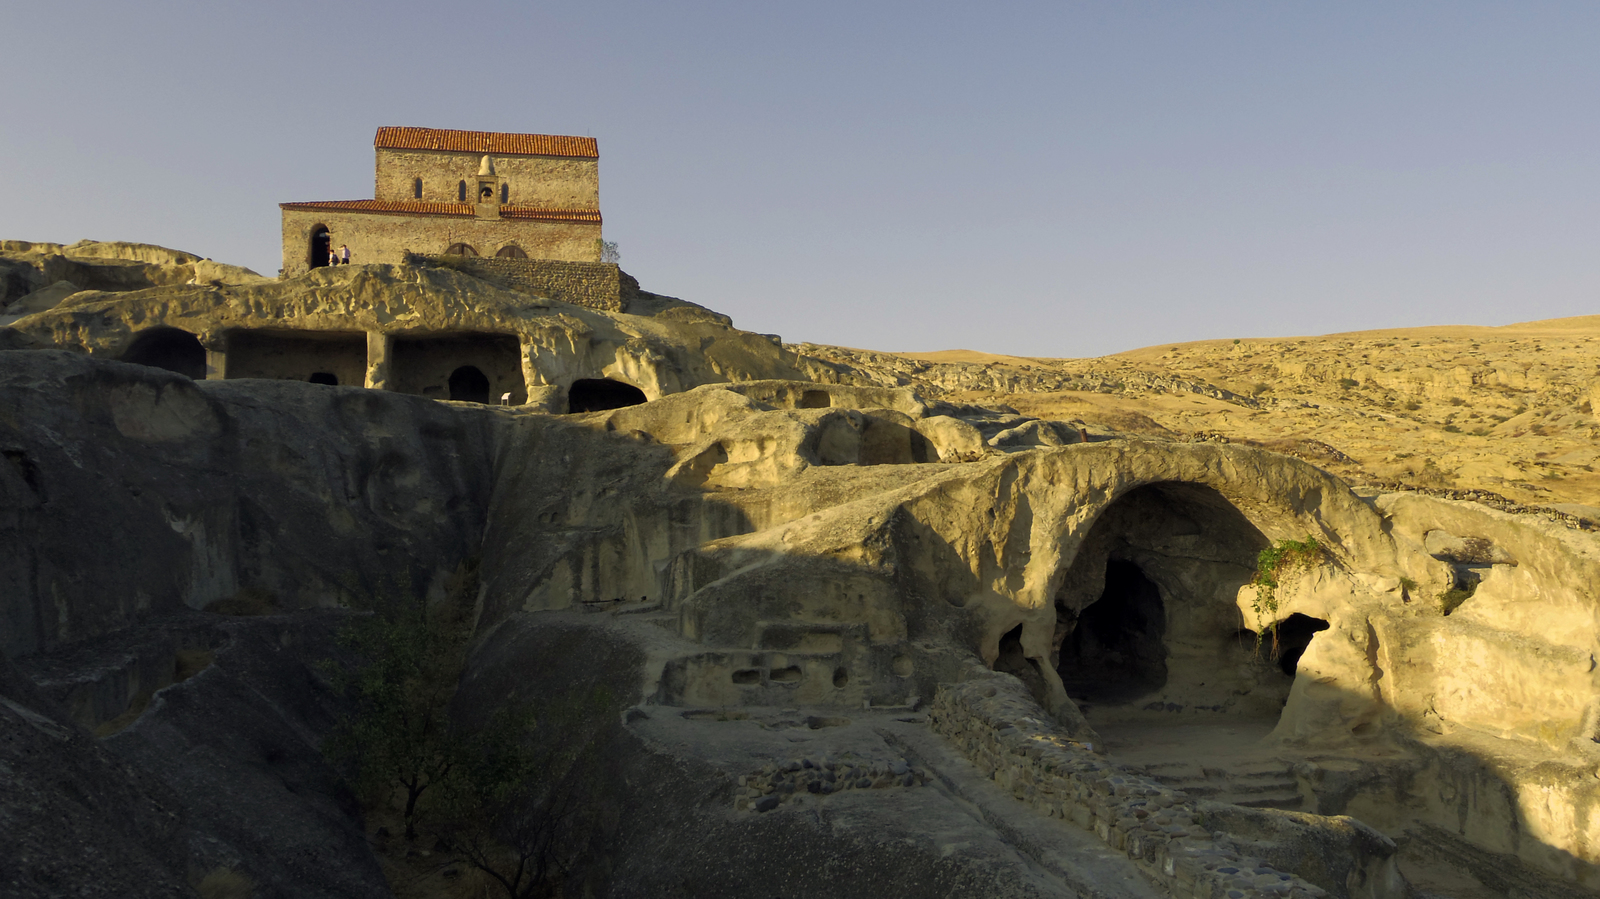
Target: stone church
[464,193]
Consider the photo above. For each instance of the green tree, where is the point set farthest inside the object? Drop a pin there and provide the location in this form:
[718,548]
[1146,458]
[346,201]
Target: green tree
[400,736]
[527,802]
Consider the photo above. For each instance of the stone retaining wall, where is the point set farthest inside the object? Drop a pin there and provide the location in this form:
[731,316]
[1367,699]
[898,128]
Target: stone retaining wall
[1003,732]
[598,285]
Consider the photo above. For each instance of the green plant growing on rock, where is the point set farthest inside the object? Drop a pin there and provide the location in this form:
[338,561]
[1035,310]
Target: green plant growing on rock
[1273,564]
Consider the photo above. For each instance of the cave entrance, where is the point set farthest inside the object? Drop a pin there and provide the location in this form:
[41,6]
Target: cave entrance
[1116,651]
[469,385]
[317,357]
[600,394]
[321,246]
[1291,640]
[1147,611]
[170,348]
[467,367]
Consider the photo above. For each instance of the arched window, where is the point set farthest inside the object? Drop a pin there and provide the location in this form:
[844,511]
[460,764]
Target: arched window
[505,192]
[511,251]
[168,348]
[416,188]
[461,191]
[460,249]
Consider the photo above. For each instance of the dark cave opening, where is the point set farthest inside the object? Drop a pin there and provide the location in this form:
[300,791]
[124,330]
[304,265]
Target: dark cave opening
[600,394]
[469,384]
[1292,638]
[1116,651]
[324,377]
[169,348]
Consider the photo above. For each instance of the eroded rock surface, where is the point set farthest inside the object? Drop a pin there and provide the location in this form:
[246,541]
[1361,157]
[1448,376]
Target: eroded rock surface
[771,569]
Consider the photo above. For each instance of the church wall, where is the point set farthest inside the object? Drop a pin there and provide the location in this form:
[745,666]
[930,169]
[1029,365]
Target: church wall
[385,238]
[549,182]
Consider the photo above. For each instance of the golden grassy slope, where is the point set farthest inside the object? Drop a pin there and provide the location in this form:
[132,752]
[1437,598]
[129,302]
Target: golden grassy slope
[1508,409]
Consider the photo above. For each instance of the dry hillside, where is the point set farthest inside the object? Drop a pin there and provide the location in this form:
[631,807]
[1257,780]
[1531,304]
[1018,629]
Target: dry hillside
[1507,410]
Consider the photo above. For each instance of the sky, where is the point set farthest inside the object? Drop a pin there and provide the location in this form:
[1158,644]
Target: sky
[1046,179]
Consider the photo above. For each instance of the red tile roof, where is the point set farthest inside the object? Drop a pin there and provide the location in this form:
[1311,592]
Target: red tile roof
[406,207]
[492,142]
[426,207]
[550,215]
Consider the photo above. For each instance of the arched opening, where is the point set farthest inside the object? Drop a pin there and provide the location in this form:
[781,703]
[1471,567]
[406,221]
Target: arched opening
[460,249]
[600,394]
[461,192]
[485,193]
[168,348]
[324,377]
[1013,661]
[469,385]
[416,188]
[505,192]
[1147,611]
[815,399]
[321,243]
[1291,639]
[1150,646]
[1116,650]
[511,251]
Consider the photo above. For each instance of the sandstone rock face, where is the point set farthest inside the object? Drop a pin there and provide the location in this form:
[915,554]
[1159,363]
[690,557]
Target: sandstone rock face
[79,820]
[199,490]
[821,559]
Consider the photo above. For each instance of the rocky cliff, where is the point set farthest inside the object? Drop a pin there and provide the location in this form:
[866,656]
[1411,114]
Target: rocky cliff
[780,576]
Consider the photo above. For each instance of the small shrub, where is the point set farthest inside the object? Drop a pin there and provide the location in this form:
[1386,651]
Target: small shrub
[1457,401]
[1273,564]
[1451,599]
[1412,406]
[1348,383]
[1451,429]
[1407,586]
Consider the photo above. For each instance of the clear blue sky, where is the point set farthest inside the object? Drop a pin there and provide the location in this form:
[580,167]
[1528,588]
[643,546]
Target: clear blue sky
[1061,179]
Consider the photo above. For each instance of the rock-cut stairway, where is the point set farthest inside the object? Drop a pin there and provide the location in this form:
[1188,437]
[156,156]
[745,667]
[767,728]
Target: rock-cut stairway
[1257,783]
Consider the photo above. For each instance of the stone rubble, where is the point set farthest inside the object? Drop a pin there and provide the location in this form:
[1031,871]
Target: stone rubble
[822,776]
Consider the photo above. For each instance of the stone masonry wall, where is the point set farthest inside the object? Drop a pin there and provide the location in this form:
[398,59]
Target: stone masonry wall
[551,182]
[598,285]
[1003,732]
[374,237]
